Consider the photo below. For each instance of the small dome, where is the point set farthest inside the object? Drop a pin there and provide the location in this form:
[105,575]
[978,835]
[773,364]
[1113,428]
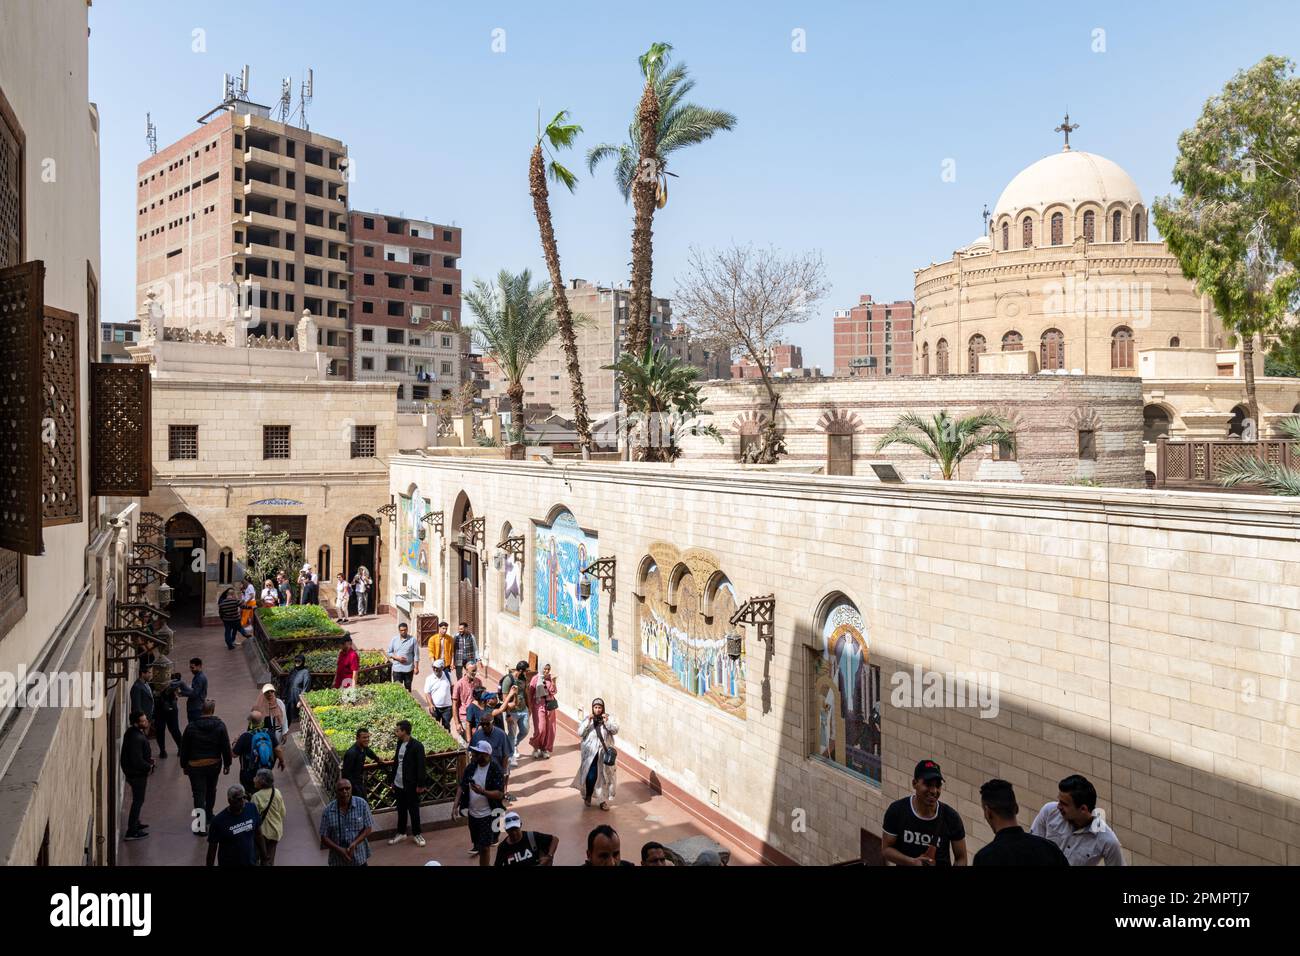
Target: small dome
[1071,177]
[982,244]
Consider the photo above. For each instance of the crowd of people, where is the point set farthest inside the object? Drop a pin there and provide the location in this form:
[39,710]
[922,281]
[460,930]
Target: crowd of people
[492,724]
[235,605]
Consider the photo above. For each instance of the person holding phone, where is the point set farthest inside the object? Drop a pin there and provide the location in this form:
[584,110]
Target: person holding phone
[596,777]
[545,708]
[920,830]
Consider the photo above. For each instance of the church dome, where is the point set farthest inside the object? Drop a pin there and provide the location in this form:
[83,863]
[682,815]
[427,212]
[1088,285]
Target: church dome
[1071,177]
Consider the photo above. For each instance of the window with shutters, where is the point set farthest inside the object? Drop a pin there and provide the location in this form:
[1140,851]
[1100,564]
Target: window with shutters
[182,442]
[121,443]
[1006,236]
[973,353]
[363,441]
[1090,226]
[925,358]
[61,418]
[941,357]
[275,441]
[22,458]
[1051,350]
[1058,229]
[839,454]
[1027,233]
[1012,342]
[1116,223]
[1121,348]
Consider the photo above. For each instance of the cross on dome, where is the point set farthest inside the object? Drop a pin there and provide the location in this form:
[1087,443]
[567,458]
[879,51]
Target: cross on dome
[1067,128]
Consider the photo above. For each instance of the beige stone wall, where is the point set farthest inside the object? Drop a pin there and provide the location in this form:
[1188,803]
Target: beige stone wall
[1048,411]
[221,487]
[1142,639]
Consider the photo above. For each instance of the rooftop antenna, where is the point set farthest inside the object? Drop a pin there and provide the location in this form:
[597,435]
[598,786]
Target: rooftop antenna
[286,98]
[304,97]
[151,134]
[243,83]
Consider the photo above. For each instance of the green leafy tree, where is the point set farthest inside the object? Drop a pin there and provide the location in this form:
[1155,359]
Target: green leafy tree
[513,322]
[266,553]
[948,441]
[559,134]
[1234,229]
[663,401]
[1249,469]
[663,124]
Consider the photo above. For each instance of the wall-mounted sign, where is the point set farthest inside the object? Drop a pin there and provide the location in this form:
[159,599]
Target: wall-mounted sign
[277,501]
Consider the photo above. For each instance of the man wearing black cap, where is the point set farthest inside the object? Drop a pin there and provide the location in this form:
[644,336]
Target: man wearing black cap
[1011,845]
[919,830]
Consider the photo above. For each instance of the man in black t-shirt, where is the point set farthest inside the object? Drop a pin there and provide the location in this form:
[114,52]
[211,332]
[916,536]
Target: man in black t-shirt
[524,847]
[1011,845]
[233,838]
[919,830]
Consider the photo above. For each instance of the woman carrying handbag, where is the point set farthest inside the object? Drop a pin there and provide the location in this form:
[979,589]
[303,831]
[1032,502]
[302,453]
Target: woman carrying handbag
[596,777]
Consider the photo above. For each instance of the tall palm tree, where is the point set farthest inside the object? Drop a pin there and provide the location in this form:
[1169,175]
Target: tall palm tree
[662,125]
[1247,469]
[947,440]
[662,392]
[513,322]
[559,134]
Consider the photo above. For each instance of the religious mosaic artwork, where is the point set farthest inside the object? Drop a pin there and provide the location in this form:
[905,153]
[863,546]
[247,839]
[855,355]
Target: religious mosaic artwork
[560,551]
[844,706]
[512,587]
[414,553]
[680,646]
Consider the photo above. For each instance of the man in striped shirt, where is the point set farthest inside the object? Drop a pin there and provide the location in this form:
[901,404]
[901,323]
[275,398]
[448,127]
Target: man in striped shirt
[228,611]
[344,826]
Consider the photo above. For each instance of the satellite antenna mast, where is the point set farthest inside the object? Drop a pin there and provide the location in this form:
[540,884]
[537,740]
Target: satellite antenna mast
[151,134]
[304,97]
[243,83]
[286,97]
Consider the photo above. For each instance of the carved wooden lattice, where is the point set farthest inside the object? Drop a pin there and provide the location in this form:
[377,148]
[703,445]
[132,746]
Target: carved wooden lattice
[121,454]
[1176,464]
[60,425]
[22,318]
[11,187]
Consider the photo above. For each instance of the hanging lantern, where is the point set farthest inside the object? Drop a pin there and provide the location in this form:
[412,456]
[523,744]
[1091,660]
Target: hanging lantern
[735,645]
[584,588]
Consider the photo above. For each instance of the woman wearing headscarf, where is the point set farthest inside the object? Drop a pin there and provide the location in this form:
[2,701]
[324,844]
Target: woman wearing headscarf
[596,775]
[545,707]
[299,683]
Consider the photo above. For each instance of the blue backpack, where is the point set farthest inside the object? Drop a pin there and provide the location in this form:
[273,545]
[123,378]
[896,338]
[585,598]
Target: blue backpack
[262,751]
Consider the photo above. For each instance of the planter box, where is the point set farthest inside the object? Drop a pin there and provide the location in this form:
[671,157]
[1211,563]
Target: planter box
[324,680]
[264,646]
[445,769]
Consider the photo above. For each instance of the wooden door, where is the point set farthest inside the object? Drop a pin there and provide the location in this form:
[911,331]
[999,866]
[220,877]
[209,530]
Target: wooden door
[468,590]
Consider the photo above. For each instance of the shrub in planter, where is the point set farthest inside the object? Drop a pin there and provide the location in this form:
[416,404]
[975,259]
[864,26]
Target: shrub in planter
[378,707]
[298,621]
[324,660]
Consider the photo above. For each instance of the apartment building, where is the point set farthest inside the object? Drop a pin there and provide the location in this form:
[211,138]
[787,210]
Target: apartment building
[600,335]
[406,305]
[785,358]
[874,339]
[114,337]
[243,222]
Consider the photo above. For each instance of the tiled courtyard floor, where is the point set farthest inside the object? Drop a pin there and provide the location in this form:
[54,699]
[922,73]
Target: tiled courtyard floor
[545,800]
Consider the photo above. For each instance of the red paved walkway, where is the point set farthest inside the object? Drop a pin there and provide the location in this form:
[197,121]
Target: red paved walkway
[545,801]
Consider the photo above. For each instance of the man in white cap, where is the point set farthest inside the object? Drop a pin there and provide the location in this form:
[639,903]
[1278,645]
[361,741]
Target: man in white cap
[437,693]
[481,788]
[525,847]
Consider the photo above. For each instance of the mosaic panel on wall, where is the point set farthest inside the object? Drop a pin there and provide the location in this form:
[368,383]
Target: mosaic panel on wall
[680,646]
[844,703]
[414,553]
[512,581]
[560,551]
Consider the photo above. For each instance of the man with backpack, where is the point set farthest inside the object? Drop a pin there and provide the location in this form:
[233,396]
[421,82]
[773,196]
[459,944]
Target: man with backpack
[524,847]
[258,748]
[514,695]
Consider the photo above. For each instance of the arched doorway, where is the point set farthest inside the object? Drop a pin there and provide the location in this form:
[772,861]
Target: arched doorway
[1237,427]
[361,549]
[186,545]
[468,581]
[1155,423]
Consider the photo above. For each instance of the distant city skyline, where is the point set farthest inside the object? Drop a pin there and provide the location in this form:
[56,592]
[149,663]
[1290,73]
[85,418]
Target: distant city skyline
[873,134]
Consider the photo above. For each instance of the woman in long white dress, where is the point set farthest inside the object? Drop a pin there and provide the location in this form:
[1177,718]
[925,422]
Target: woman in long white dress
[596,779]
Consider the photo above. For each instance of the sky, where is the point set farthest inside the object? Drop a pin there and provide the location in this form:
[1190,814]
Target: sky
[873,133]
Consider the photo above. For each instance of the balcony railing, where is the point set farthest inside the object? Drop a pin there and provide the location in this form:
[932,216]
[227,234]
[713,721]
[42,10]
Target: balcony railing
[1195,465]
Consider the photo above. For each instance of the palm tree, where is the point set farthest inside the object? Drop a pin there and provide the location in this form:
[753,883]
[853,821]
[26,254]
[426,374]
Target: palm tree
[560,135]
[663,124]
[1247,469]
[513,323]
[662,392]
[947,440]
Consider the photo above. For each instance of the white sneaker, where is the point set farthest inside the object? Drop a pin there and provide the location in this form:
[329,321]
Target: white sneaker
[397,839]
[514,760]
[419,839]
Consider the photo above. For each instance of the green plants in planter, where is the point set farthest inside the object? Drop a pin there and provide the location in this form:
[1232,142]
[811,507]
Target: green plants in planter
[326,659]
[298,621]
[378,707]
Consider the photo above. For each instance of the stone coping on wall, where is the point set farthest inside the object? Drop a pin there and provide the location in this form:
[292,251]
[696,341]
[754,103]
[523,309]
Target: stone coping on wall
[1142,504]
[318,385]
[858,381]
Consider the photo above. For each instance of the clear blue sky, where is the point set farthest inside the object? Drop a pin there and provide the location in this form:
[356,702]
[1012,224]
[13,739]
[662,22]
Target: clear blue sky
[839,148]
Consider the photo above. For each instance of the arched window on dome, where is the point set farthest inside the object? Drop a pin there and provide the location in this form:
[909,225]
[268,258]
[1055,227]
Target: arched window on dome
[1121,347]
[1175,342]
[941,357]
[1116,222]
[1058,229]
[1012,342]
[1090,226]
[1139,226]
[1051,350]
[973,353]
[1006,236]
[925,358]
[1027,233]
